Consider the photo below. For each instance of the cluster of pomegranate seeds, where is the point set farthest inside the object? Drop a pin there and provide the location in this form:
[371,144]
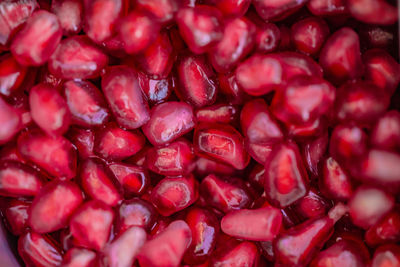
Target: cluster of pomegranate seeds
[177,133]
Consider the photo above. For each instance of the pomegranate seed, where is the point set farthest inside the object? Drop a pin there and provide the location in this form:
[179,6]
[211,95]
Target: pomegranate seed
[54,205]
[286,179]
[123,250]
[386,230]
[236,43]
[259,152]
[256,177]
[16,214]
[268,37]
[225,194]
[163,10]
[77,58]
[294,64]
[327,7]
[134,179]
[10,122]
[85,103]
[173,194]
[373,12]
[79,257]
[38,250]
[313,151]
[340,56]
[83,139]
[32,47]
[168,122]
[197,81]
[276,10]
[242,254]
[119,83]
[223,113]
[99,182]
[231,8]
[230,88]
[49,109]
[19,180]
[172,160]
[206,166]
[135,212]
[200,27]
[156,91]
[368,205]
[312,205]
[12,75]
[55,155]
[387,255]
[69,13]
[168,247]
[386,132]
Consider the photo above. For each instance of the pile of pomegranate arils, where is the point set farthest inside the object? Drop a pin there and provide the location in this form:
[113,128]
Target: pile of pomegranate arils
[234,133]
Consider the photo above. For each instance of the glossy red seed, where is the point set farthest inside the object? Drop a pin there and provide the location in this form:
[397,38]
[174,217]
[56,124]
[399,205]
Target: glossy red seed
[38,250]
[385,231]
[259,152]
[236,43]
[10,121]
[268,37]
[135,212]
[294,64]
[231,8]
[286,179]
[79,257]
[49,109]
[327,7]
[46,77]
[53,206]
[99,183]
[206,166]
[16,215]
[77,58]
[223,113]
[55,155]
[173,194]
[134,179]
[373,12]
[120,82]
[230,89]
[69,13]
[204,226]
[242,254]
[83,139]
[168,247]
[386,255]
[200,27]
[221,142]
[163,10]
[85,103]
[157,91]
[168,121]
[276,10]
[225,194]
[313,151]
[386,132]
[12,75]
[259,74]
[312,205]
[91,224]
[197,81]
[33,47]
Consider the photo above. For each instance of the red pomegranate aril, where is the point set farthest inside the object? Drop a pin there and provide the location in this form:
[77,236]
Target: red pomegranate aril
[122,91]
[309,35]
[242,254]
[237,41]
[135,212]
[53,206]
[174,159]
[313,151]
[157,59]
[259,152]
[12,75]
[39,250]
[206,166]
[256,177]
[91,224]
[85,103]
[286,179]
[223,113]
[382,69]
[173,194]
[327,7]
[83,139]
[197,81]
[134,179]
[55,155]
[386,255]
[168,247]
[258,124]
[99,183]
[10,121]
[19,180]
[225,194]
[386,132]
[168,121]
[230,89]
[343,253]
[79,257]
[259,74]
[312,205]
[16,215]
[298,245]
[373,11]
[268,37]
[138,31]
[340,56]
[77,58]
[157,91]
[368,205]
[69,13]
[294,64]
[139,159]
[200,27]
[12,15]
[277,10]
[221,142]
[123,250]
[335,182]
[49,109]
[385,231]
[33,47]
[162,10]
[301,132]
[47,78]
[259,225]
[101,17]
